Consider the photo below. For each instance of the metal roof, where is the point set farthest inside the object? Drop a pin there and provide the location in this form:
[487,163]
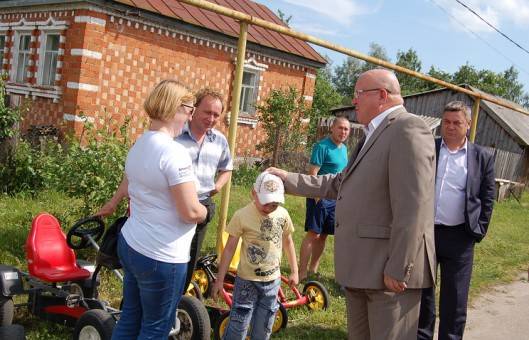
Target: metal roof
[216,22]
[513,121]
[431,122]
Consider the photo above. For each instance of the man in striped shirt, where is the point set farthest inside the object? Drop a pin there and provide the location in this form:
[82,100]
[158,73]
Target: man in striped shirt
[211,158]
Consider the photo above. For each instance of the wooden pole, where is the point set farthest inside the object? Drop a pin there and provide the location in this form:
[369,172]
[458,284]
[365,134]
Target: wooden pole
[475,116]
[323,43]
[232,135]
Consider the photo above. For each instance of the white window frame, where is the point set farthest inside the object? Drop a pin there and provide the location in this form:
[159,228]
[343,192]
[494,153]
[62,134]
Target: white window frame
[42,56]
[254,87]
[15,55]
[3,34]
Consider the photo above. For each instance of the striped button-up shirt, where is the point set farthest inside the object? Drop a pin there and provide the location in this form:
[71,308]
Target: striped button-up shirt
[209,157]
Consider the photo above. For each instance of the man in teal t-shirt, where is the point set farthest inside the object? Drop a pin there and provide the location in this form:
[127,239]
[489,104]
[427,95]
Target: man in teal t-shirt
[329,156]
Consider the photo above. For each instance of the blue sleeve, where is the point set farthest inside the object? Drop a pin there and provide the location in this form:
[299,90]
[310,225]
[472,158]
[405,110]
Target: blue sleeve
[318,155]
[225,161]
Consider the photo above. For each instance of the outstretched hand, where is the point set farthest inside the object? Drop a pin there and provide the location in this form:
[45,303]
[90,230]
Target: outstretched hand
[278,172]
[107,209]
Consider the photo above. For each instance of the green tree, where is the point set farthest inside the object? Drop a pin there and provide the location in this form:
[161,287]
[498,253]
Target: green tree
[346,75]
[281,116]
[375,51]
[409,84]
[503,84]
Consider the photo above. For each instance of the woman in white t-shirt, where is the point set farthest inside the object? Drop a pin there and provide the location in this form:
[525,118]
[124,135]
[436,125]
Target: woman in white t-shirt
[154,242]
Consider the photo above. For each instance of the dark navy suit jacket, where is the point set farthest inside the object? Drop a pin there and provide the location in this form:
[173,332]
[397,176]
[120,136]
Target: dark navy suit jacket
[481,189]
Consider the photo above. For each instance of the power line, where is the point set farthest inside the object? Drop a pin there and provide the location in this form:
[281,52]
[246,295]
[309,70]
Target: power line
[492,26]
[478,37]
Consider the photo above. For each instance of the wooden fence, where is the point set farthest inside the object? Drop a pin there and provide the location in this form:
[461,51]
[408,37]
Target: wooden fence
[509,165]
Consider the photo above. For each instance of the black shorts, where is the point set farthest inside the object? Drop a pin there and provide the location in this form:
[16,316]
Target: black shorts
[320,216]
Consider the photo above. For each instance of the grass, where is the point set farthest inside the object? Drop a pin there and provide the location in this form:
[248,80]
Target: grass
[498,259]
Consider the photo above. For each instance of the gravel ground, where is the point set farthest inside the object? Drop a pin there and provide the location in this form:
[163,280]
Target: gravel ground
[501,313]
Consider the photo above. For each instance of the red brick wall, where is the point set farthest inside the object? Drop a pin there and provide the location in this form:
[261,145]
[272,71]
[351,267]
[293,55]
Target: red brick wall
[134,57]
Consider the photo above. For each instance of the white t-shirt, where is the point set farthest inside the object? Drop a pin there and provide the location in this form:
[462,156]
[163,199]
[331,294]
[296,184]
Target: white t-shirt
[154,229]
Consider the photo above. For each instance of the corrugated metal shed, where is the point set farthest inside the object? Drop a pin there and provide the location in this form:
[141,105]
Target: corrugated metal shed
[498,127]
[216,22]
[503,130]
[348,111]
[515,122]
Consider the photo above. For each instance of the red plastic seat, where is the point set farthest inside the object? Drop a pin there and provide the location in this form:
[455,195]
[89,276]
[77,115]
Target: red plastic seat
[49,257]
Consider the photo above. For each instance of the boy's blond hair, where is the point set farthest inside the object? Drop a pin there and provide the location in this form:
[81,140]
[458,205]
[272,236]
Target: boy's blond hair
[165,99]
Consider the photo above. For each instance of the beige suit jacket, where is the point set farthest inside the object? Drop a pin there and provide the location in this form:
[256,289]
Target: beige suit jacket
[384,208]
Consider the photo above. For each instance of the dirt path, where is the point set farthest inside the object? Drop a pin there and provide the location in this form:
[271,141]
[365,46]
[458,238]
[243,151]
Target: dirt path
[501,313]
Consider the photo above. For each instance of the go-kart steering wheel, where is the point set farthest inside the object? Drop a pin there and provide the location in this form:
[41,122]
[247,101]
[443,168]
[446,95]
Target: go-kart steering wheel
[77,237]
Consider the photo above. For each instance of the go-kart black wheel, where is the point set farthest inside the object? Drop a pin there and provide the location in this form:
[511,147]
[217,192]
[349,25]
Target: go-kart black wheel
[12,332]
[193,319]
[317,294]
[7,309]
[77,237]
[95,324]
[194,290]
[281,319]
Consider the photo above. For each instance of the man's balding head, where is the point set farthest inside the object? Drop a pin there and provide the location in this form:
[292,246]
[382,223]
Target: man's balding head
[375,91]
[384,79]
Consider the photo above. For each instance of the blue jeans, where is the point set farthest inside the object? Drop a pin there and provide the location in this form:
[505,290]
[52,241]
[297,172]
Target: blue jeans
[254,302]
[151,292]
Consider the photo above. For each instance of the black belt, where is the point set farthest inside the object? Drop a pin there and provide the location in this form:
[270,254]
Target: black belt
[444,226]
[206,201]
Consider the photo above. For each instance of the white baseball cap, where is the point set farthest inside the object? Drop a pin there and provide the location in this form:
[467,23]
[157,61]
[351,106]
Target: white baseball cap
[269,188]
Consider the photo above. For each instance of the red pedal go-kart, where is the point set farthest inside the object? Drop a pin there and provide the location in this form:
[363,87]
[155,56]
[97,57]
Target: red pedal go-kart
[62,289]
[314,296]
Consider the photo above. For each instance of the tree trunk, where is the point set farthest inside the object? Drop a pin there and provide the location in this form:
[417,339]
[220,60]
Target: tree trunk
[275,153]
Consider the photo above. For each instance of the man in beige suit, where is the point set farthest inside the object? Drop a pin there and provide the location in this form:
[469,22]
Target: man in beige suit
[384,246]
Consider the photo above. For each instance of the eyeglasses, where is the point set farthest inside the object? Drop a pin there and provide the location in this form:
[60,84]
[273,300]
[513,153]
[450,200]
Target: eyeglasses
[357,93]
[191,107]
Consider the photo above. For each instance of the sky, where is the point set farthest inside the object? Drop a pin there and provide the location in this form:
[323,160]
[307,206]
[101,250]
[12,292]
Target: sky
[442,32]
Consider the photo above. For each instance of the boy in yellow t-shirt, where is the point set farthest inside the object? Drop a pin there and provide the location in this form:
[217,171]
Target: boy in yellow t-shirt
[265,228]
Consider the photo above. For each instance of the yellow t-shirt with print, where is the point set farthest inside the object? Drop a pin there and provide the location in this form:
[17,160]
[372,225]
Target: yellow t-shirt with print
[262,239]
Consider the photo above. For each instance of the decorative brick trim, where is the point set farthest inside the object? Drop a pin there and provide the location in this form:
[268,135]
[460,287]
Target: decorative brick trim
[29,90]
[76,118]
[86,53]
[243,120]
[82,86]
[90,20]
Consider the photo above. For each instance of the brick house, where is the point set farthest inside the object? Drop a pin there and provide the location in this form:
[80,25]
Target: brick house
[100,58]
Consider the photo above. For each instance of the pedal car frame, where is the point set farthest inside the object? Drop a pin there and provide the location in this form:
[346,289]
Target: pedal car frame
[62,289]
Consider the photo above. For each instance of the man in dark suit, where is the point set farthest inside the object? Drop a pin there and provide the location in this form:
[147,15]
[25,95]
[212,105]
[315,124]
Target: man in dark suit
[464,197]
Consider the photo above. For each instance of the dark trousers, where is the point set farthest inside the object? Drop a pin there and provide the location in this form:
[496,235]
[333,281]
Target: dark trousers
[455,254]
[196,243]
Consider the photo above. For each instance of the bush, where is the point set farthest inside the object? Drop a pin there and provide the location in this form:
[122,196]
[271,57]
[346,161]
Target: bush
[245,174]
[89,168]
[9,119]
[281,116]
[91,171]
